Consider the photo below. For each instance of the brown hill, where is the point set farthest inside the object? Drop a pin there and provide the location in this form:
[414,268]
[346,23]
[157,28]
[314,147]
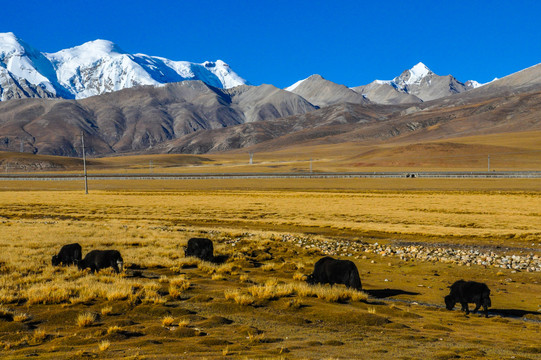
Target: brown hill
[322,92]
[137,119]
[372,124]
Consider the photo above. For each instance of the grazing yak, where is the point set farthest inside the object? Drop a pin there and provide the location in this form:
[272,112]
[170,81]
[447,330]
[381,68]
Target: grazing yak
[465,292]
[332,271]
[68,255]
[101,259]
[201,248]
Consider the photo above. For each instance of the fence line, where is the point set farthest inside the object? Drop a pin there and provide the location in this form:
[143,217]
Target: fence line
[71,177]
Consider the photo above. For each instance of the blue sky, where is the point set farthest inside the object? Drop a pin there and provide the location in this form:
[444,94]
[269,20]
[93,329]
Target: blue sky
[280,42]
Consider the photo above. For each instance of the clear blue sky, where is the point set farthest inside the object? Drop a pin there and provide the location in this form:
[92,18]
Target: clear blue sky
[280,42]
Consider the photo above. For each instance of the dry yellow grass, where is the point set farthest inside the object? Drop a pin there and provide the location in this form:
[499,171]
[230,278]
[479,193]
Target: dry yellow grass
[503,216]
[86,319]
[263,292]
[104,345]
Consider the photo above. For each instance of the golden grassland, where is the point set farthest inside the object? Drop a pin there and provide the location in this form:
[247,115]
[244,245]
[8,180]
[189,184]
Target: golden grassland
[253,303]
[508,152]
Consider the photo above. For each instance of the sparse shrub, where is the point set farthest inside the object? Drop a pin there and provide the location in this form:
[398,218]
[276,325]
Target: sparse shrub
[225,351]
[271,290]
[183,323]
[21,317]
[177,286]
[151,294]
[371,310]
[106,310]
[167,321]
[114,329]
[331,294]
[38,336]
[207,267]
[184,263]
[217,277]
[104,345]
[228,268]
[256,338]
[238,297]
[86,319]
[294,303]
[244,278]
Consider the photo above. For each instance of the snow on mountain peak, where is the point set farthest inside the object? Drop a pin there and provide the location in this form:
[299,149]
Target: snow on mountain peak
[87,52]
[419,71]
[414,75]
[10,44]
[23,61]
[101,66]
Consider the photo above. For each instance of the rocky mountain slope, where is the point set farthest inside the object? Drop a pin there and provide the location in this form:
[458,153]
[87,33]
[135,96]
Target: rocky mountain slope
[138,119]
[322,92]
[417,84]
[94,68]
[372,124]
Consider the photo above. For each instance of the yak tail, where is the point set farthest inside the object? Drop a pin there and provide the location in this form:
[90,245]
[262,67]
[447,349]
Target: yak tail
[355,280]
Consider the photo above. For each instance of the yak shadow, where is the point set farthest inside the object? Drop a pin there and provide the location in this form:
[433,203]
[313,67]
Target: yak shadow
[219,259]
[385,293]
[512,312]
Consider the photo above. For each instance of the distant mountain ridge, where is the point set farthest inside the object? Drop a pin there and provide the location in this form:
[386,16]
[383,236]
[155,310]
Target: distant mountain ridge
[415,85]
[95,68]
[144,104]
[322,92]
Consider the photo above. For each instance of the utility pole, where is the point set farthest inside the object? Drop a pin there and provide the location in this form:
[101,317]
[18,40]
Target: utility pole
[488,163]
[22,146]
[150,165]
[84,162]
[310,166]
[251,158]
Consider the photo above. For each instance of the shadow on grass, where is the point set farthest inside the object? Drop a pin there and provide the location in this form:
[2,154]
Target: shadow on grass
[385,293]
[220,259]
[512,312]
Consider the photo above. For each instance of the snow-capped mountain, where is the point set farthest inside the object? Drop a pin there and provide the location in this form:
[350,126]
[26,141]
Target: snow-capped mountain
[94,68]
[419,82]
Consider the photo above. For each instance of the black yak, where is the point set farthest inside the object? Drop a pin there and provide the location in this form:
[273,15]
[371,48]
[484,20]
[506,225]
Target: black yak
[68,255]
[332,271]
[465,292]
[201,248]
[101,259]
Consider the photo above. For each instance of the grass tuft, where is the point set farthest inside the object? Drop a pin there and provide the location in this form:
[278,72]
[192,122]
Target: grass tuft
[177,286]
[86,319]
[114,329]
[104,345]
[168,321]
[106,310]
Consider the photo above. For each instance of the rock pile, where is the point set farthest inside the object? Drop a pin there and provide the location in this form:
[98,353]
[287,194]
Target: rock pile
[464,257]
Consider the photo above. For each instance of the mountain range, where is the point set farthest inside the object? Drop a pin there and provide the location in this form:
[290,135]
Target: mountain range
[94,68]
[138,104]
